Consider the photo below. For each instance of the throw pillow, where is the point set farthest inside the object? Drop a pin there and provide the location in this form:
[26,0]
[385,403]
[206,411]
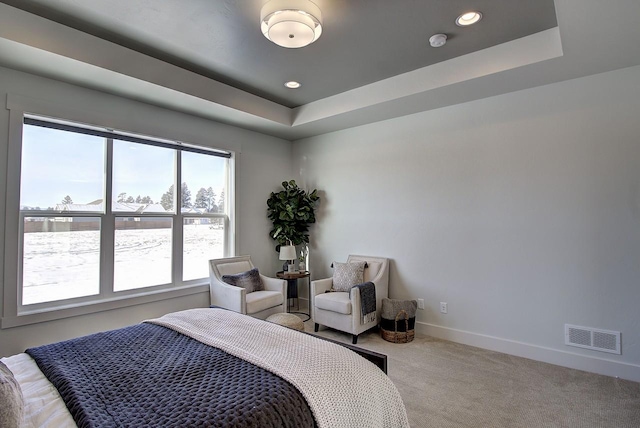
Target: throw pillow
[346,275]
[249,280]
[11,400]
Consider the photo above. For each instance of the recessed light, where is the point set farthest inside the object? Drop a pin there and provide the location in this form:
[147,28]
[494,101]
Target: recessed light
[292,84]
[468,18]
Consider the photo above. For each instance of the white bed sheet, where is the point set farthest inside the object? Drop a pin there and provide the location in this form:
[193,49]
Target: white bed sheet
[43,406]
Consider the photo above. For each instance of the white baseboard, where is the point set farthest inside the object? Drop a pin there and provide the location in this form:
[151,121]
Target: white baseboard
[539,353]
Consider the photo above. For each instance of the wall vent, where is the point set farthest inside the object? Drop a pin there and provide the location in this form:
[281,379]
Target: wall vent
[592,338]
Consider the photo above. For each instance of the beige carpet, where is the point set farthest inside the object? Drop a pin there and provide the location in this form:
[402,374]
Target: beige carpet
[445,384]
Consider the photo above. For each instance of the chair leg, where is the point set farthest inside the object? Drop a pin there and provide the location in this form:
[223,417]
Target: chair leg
[354,339]
[316,327]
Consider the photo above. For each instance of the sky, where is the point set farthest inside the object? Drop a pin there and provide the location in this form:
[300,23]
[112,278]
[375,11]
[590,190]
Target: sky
[59,163]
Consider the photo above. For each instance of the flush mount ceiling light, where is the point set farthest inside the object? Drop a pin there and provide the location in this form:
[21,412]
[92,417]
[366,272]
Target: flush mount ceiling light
[292,84]
[291,23]
[438,40]
[468,18]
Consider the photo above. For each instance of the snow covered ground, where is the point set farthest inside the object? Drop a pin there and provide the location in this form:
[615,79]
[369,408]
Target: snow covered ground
[62,265]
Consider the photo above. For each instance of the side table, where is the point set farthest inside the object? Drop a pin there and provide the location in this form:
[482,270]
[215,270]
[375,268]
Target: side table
[292,288]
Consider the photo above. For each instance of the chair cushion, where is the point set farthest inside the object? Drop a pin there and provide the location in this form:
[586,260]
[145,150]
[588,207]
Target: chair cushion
[346,275]
[249,280]
[337,301]
[261,300]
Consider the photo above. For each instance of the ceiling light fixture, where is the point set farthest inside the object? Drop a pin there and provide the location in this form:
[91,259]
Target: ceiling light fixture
[292,84]
[290,23]
[468,18]
[438,40]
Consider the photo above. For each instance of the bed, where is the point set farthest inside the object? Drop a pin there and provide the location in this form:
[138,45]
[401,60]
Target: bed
[203,367]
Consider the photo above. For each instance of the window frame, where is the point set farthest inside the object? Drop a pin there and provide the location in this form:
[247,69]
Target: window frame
[14,313]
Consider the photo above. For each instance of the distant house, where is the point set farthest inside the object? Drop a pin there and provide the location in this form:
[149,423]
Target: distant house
[94,207]
[97,206]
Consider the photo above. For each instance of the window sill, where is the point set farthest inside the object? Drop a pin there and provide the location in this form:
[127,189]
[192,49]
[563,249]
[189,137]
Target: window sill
[101,305]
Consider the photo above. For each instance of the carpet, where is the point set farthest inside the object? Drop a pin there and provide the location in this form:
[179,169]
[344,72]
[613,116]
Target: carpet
[448,385]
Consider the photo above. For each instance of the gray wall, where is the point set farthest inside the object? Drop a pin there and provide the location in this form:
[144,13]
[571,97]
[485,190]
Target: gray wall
[263,164]
[521,211]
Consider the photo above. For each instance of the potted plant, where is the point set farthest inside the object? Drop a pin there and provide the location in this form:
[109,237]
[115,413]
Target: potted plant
[291,210]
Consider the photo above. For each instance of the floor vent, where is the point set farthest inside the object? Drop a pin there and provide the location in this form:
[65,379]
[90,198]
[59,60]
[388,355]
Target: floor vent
[592,338]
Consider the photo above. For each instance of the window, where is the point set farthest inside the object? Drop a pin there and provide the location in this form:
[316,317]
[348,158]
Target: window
[99,217]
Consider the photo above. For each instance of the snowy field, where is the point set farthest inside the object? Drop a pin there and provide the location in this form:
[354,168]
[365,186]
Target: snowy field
[62,265]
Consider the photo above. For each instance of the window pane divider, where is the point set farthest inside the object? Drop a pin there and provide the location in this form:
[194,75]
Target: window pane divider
[177,236]
[107,227]
[52,214]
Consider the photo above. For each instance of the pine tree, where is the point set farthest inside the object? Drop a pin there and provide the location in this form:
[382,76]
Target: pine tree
[67,200]
[211,201]
[206,198]
[186,196]
[167,199]
[201,198]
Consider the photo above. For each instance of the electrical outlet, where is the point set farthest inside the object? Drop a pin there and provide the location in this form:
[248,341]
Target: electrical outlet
[420,303]
[443,307]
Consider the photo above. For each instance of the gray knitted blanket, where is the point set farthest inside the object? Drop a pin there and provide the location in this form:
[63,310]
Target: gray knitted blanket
[367,301]
[151,376]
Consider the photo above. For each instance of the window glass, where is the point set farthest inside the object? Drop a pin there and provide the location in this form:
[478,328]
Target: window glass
[203,183]
[203,240]
[61,170]
[143,178]
[60,258]
[142,252]
[71,246]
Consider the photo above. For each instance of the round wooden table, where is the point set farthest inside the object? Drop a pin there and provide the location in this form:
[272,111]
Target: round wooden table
[292,289]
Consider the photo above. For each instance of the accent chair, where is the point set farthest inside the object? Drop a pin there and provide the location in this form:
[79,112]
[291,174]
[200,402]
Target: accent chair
[258,304]
[340,310]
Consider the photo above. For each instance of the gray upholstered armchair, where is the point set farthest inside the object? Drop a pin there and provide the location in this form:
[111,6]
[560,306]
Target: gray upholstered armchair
[341,310]
[258,304]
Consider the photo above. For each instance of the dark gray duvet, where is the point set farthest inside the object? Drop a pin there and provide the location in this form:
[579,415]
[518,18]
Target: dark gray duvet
[150,376]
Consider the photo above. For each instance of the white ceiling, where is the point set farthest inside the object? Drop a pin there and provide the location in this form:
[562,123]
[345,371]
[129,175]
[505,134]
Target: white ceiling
[373,62]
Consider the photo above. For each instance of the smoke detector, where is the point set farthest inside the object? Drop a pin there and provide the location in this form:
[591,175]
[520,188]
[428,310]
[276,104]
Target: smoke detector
[438,40]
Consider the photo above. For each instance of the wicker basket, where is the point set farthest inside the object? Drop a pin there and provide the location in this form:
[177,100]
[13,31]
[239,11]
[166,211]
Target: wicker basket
[399,336]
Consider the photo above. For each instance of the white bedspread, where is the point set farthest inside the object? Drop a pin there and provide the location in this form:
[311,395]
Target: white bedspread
[43,406]
[342,388]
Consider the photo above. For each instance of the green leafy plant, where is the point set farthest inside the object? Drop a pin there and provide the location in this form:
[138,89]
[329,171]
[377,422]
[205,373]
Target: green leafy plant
[291,210]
